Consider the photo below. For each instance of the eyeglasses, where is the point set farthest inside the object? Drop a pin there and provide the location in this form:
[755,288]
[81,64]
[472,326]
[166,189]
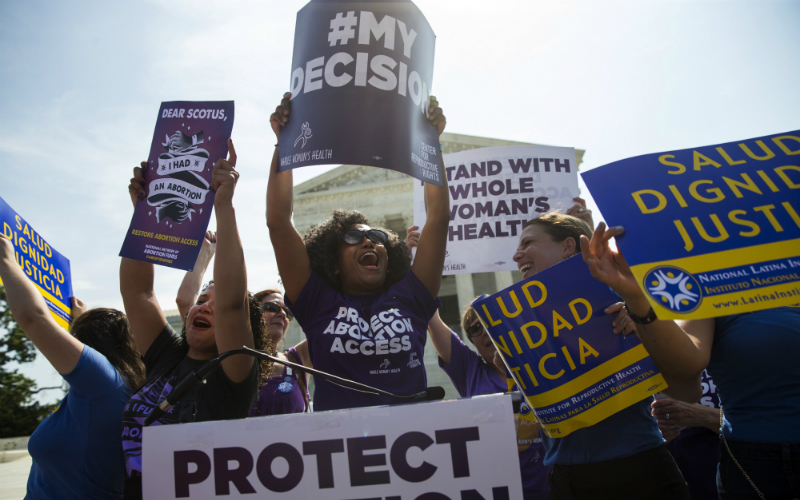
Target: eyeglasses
[275,308]
[475,330]
[356,236]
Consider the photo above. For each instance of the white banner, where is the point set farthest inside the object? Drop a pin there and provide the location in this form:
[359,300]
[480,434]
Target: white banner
[172,164]
[176,188]
[461,449]
[493,192]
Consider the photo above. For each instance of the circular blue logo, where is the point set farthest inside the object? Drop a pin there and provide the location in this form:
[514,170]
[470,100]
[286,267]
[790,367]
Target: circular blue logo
[673,288]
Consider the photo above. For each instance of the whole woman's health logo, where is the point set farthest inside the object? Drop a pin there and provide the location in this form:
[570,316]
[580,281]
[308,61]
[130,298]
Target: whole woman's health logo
[673,288]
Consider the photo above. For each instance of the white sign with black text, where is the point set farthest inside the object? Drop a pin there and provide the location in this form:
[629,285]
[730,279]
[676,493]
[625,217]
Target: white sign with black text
[461,450]
[493,192]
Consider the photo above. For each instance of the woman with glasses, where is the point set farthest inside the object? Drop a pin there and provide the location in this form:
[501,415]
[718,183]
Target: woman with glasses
[362,305]
[285,390]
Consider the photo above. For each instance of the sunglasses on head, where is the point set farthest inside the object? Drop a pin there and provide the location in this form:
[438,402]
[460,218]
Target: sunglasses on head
[474,330]
[275,308]
[356,236]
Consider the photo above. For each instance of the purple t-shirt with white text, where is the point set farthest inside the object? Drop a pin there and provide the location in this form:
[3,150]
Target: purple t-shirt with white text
[376,339]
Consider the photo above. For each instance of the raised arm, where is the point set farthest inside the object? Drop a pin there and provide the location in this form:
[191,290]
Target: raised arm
[429,260]
[439,332]
[680,353]
[136,286]
[231,305]
[193,280]
[30,311]
[290,251]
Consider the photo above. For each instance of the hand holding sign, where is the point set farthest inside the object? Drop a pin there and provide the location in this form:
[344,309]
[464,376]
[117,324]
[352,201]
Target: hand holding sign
[280,117]
[435,115]
[136,187]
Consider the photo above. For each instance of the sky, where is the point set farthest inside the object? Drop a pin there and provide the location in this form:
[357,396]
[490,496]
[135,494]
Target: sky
[81,84]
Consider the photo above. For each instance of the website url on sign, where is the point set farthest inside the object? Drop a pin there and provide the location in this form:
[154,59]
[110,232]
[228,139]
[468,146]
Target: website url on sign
[758,297]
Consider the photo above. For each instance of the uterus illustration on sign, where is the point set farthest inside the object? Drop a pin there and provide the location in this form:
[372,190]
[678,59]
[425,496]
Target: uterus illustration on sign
[179,187]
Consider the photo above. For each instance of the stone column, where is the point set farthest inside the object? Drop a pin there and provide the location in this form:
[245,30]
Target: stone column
[465,291]
[503,279]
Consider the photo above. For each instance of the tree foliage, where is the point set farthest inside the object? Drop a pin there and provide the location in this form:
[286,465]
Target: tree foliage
[19,413]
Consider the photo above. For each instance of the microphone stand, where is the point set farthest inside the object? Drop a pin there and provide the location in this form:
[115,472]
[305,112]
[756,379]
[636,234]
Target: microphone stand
[199,376]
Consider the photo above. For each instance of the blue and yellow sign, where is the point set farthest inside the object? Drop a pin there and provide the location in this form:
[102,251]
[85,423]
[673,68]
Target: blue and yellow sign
[559,346]
[48,269]
[709,231]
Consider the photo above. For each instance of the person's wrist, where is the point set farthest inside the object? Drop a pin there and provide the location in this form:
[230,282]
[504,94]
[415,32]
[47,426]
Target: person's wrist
[637,304]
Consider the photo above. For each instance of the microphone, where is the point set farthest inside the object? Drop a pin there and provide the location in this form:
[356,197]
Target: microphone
[434,393]
[183,388]
[186,385]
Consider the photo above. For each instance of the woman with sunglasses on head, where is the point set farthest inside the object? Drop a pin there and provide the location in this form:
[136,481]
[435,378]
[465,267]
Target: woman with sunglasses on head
[75,450]
[285,390]
[224,317]
[587,462]
[363,307]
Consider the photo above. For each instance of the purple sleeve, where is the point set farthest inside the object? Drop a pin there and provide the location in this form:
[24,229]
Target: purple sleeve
[464,363]
[315,290]
[93,376]
[427,304]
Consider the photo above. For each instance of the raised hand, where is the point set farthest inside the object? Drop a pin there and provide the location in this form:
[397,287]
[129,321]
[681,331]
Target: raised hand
[224,177]
[136,186]
[579,211]
[280,117]
[78,307]
[435,115]
[609,266]
[210,241]
[412,238]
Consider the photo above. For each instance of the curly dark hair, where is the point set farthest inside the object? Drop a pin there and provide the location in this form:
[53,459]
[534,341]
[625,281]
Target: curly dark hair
[323,241]
[107,331]
[261,339]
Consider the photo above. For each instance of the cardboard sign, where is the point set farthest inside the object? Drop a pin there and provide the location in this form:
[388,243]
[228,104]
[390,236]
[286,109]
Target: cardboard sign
[361,79]
[169,224]
[45,267]
[709,231]
[559,346]
[443,450]
[493,193]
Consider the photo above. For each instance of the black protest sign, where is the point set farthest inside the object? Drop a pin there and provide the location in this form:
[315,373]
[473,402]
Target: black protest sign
[361,79]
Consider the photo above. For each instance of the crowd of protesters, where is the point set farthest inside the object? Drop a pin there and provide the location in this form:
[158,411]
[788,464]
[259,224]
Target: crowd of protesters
[121,366]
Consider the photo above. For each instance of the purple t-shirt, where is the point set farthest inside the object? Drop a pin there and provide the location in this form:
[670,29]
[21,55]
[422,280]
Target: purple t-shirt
[281,394]
[376,339]
[472,377]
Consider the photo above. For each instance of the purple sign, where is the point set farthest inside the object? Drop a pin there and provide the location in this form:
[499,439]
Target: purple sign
[169,223]
[361,78]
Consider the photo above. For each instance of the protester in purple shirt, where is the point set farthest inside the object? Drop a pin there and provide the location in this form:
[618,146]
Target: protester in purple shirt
[362,305]
[285,390]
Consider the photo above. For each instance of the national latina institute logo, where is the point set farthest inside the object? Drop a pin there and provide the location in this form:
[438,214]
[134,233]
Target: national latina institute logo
[674,288]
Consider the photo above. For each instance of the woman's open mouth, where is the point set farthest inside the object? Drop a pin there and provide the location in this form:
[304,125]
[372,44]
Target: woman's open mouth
[369,260]
[201,323]
[524,268]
